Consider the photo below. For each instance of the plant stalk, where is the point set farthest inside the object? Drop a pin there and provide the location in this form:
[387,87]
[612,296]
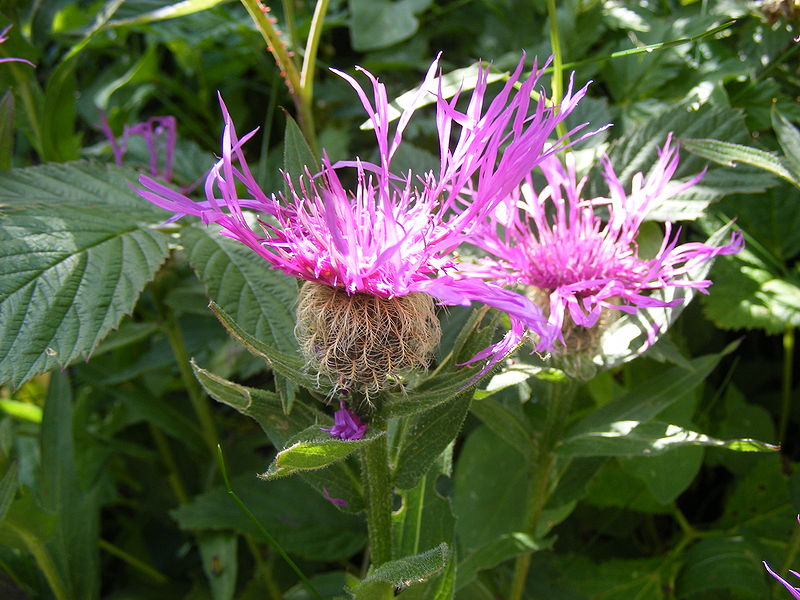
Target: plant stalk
[541,463]
[199,403]
[378,497]
[287,66]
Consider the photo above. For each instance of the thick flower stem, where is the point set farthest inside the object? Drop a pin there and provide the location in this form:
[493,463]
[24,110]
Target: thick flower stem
[541,463]
[378,497]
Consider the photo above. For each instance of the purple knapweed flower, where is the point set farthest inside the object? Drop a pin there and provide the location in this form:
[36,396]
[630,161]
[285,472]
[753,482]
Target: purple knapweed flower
[389,236]
[580,256]
[794,590]
[346,424]
[157,132]
[4,38]
[331,499]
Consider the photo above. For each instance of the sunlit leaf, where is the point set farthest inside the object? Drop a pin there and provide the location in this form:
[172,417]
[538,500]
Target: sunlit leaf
[77,248]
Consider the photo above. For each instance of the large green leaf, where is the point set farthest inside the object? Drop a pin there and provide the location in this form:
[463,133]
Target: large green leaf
[749,294]
[727,153]
[645,401]
[76,250]
[632,438]
[729,565]
[425,517]
[381,23]
[259,298]
[427,436]
[304,524]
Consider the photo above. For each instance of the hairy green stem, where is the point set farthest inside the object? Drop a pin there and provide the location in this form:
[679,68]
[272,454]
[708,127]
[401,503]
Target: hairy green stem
[557,77]
[378,497]
[786,387]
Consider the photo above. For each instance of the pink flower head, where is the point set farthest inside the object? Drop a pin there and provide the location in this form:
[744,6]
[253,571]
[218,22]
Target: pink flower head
[558,242]
[4,38]
[389,235]
[346,424]
[794,590]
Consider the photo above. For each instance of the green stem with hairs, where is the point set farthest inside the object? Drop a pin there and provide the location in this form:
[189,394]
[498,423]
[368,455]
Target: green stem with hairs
[378,496]
[557,84]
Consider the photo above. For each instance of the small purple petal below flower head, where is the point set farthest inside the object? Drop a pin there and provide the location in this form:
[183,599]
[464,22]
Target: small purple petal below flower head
[795,591]
[331,499]
[346,424]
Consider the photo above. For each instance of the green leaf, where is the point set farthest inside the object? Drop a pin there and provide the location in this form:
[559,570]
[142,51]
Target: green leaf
[406,571]
[729,565]
[749,295]
[490,555]
[313,449]
[789,139]
[290,366]
[304,523]
[6,130]
[260,299]
[75,253]
[218,551]
[263,406]
[490,488]
[631,335]
[8,489]
[74,544]
[172,11]
[633,438]
[727,153]
[297,155]
[425,517]
[510,426]
[644,402]
[427,436]
[380,23]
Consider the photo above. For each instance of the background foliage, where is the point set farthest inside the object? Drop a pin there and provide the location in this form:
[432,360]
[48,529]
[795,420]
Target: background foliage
[111,481]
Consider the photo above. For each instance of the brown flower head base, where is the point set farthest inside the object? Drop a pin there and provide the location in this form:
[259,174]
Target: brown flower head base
[363,342]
